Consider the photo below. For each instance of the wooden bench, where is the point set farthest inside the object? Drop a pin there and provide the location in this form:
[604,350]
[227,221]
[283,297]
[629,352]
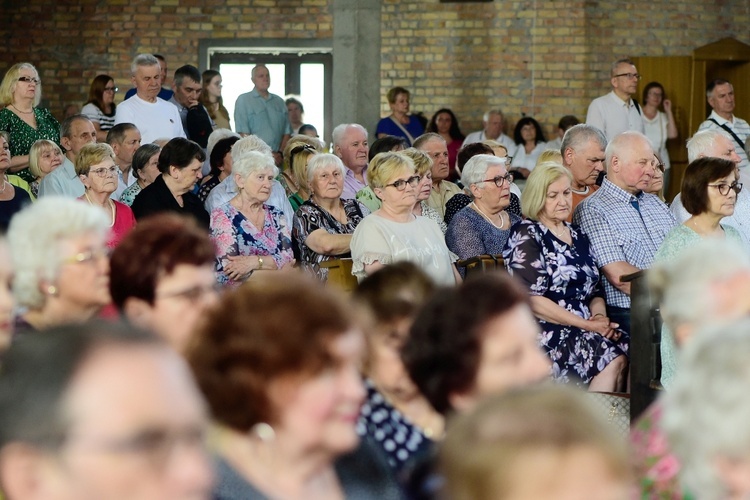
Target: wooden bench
[481,264]
[340,274]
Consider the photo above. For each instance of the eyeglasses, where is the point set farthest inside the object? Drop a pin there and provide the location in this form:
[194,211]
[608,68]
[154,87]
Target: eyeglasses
[298,149]
[193,294]
[111,89]
[724,187]
[29,79]
[629,76]
[104,172]
[400,184]
[87,256]
[500,180]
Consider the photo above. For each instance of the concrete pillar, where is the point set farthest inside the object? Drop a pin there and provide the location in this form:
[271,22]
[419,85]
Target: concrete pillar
[356,62]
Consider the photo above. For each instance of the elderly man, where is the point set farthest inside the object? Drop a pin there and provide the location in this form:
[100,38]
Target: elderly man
[227,189]
[493,122]
[583,154]
[100,411]
[187,91]
[154,117]
[125,139]
[164,92]
[617,112]
[720,95]
[716,143]
[625,225]
[350,144]
[263,114]
[76,131]
[442,190]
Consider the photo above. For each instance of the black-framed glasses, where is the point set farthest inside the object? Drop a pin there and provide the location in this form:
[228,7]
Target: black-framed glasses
[298,149]
[500,179]
[29,79]
[629,76]
[111,89]
[724,187]
[400,184]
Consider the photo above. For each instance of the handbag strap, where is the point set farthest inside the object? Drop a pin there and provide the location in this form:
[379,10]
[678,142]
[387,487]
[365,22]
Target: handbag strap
[724,126]
[408,135]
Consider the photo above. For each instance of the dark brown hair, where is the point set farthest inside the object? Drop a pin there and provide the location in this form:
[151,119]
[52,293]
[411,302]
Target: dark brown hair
[698,175]
[96,93]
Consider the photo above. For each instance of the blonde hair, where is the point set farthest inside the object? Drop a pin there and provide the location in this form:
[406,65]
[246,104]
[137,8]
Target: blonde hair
[494,144]
[550,155]
[298,164]
[535,193]
[10,80]
[422,161]
[92,154]
[35,153]
[385,166]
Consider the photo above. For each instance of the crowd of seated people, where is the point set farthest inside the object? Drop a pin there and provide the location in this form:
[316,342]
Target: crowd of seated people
[292,388]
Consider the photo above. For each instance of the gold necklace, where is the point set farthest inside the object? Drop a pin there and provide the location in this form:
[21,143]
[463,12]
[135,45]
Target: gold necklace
[502,219]
[111,204]
[23,112]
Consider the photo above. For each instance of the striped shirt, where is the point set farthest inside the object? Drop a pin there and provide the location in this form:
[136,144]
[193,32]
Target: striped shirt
[738,126]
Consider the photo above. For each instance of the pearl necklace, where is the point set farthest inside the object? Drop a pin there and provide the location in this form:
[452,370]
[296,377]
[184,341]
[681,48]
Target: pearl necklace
[5,185]
[487,217]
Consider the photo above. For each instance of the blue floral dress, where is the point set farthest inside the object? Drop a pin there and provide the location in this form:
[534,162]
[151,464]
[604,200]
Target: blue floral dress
[568,275]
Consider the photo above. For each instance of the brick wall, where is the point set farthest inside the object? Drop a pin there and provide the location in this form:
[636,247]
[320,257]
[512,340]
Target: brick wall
[545,58]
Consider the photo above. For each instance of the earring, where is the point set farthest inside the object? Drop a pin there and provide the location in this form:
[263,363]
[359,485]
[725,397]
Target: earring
[263,431]
[52,290]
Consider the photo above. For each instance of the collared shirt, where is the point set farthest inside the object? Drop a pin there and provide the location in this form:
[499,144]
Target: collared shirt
[613,116]
[439,196]
[62,181]
[503,139]
[738,126]
[621,233]
[352,185]
[265,117]
[227,189]
[740,219]
[122,185]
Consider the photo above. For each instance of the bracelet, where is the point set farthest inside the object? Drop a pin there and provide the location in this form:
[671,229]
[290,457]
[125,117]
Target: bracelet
[260,262]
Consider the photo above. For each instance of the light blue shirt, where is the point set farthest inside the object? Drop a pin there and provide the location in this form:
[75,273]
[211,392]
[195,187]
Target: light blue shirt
[62,181]
[227,189]
[265,117]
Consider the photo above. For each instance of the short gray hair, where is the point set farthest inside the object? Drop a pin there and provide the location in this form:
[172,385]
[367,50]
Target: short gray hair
[619,143]
[680,285]
[486,116]
[252,162]
[578,135]
[475,170]
[143,60]
[340,131]
[34,238]
[702,144]
[706,411]
[318,161]
[249,144]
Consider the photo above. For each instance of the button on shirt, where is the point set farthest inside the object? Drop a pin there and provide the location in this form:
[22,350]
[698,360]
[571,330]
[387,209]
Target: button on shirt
[739,126]
[613,116]
[620,232]
[265,117]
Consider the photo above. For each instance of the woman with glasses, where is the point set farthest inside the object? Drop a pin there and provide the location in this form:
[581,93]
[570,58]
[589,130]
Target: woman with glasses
[324,224]
[553,259]
[20,94]
[95,166]
[100,108]
[393,233]
[60,261]
[656,185]
[297,152]
[483,226]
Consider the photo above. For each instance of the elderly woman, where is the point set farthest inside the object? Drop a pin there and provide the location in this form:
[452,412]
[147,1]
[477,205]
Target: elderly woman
[44,157]
[530,139]
[162,277]
[541,442]
[706,414]
[400,123]
[145,170]
[180,163]
[221,166]
[324,224]
[445,123]
[693,292]
[483,226]
[278,363]
[20,93]
[100,108]
[393,233]
[249,234]
[656,185]
[212,100]
[395,414]
[7,301]
[60,261]
[553,259]
[297,153]
[12,198]
[95,166]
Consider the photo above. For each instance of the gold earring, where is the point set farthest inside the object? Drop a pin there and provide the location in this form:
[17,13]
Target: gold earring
[52,290]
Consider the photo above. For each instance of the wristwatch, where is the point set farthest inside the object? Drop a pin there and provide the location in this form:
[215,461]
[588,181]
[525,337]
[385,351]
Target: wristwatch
[260,262]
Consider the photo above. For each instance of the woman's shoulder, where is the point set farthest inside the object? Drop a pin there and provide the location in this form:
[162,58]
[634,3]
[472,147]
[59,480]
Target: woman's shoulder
[91,110]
